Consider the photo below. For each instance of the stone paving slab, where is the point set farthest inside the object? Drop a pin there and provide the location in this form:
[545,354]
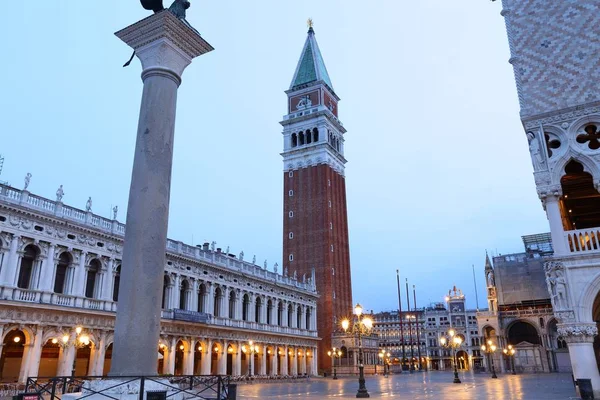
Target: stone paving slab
[420,386]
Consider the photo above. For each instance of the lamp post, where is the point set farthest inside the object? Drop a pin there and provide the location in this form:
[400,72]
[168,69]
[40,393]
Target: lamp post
[510,353]
[333,354]
[252,349]
[489,350]
[452,341]
[360,325]
[77,340]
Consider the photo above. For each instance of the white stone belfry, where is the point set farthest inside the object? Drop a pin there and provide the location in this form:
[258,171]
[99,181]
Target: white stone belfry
[166,46]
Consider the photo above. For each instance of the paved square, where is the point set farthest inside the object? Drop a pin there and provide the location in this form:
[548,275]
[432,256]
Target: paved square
[424,385]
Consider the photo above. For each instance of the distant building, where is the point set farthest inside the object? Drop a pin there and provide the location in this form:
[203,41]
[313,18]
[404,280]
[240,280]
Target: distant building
[400,337]
[520,311]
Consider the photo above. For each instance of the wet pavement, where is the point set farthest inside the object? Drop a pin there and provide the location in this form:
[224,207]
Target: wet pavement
[418,386]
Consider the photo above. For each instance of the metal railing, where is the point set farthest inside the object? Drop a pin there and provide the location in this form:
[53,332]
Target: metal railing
[204,387]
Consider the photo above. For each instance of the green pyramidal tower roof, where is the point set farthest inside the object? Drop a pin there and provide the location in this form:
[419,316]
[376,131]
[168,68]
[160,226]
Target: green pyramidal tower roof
[311,67]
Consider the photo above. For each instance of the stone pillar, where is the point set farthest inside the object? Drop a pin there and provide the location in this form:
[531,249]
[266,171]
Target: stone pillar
[580,339]
[193,296]
[165,46]
[210,298]
[237,360]
[107,281]
[188,359]
[284,361]
[9,272]
[176,292]
[263,360]
[222,360]
[206,358]
[47,272]
[556,226]
[35,353]
[169,361]
[78,288]
[65,361]
[274,360]
[97,367]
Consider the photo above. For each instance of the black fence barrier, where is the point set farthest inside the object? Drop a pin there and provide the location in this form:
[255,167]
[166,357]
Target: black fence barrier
[203,387]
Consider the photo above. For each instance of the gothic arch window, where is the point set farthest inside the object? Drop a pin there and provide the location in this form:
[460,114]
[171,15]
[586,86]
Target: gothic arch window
[232,304]
[308,136]
[245,307]
[580,201]
[299,317]
[290,313]
[315,133]
[62,268]
[280,313]
[269,311]
[201,298]
[301,138]
[165,295]
[116,283]
[294,140]
[183,294]
[28,261]
[257,309]
[91,281]
[308,315]
[522,331]
[217,302]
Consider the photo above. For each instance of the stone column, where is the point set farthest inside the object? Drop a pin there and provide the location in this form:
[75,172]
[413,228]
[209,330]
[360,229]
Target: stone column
[222,360]
[263,360]
[107,281]
[8,274]
[35,353]
[237,360]
[580,339]
[274,359]
[165,46]
[284,361]
[557,231]
[206,358]
[194,296]
[169,360]
[188,358]
[176,292]
[47,271]
[78,288]
[209,300]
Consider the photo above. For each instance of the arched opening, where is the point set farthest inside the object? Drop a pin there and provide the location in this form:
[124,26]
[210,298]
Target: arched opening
[165,295]
[183,294]
[90,283]
[315,135]
[201,298]
[232,304]
[522,331]
[301,138]
[49,358]
[82,359]
[214,359]
[245,307]
[308,137]
[294,140]
[30,255]
[280,359]
[12,355]
[462,360]
[596,316]
[198,357]
[580,203]
[280,313]
[489,333]
[107,359]
[308,318]
[290,315]
[64,262]
[116,283]
[257,309]
[299,317]
[179,351]
[230,351]
[269,311]
[217,302]
[162,352]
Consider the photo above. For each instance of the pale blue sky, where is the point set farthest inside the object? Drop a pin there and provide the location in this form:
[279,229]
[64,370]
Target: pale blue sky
[438,168]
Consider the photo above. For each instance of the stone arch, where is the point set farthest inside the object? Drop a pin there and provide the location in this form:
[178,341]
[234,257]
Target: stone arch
[30,260]
[522,330]
[561,162]
[13,353]
[184,292]
[294,140]
[258,305]
[165,293]
[202,293]
[585,306]
[91,281]
[64,266]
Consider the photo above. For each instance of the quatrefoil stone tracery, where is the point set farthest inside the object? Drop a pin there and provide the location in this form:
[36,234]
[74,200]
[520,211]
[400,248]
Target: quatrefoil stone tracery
[551,143]
[591,137]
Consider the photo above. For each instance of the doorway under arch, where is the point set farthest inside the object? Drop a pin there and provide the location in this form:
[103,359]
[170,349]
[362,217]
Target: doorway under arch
[12,355]
[521,331]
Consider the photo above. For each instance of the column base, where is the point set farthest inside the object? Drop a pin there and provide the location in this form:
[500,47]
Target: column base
[362,394]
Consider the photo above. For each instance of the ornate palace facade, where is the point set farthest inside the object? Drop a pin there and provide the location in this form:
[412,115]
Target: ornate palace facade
[59,280]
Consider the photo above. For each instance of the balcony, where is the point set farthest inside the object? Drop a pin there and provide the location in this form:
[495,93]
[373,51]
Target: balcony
[583,241]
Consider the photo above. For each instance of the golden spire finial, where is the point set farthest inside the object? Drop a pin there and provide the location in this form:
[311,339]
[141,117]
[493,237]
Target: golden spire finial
[309,22]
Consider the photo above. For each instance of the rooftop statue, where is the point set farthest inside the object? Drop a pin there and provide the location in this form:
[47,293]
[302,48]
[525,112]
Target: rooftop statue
[177,8]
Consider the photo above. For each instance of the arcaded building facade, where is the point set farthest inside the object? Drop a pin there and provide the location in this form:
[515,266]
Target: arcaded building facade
[59,290]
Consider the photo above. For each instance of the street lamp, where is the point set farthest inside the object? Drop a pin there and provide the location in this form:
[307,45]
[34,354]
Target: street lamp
[76,339]
[489,350]
[333,354]
[361,326]
[453,341]
[510,353]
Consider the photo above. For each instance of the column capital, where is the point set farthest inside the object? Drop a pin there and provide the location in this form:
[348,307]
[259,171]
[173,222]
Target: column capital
[164,44]
[578,333]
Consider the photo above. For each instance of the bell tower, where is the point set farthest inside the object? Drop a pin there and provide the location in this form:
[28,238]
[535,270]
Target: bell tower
[315,223]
